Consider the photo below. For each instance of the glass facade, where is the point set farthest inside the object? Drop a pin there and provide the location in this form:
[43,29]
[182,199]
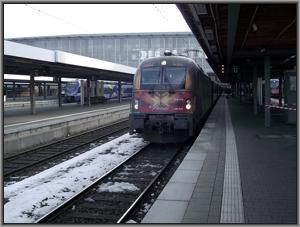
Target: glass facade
[125,49]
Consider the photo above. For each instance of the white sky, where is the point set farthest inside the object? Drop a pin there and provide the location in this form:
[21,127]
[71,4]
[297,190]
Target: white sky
[21,20]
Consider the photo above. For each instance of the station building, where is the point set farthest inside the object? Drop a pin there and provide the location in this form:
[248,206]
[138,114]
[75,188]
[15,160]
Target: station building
[122,48]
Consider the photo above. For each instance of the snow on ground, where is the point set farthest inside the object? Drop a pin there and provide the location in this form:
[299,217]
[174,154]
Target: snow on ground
[117,187]
[35,196]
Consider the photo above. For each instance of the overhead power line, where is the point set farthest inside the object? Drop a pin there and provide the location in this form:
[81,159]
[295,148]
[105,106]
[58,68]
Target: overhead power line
[57,18]
[160,12]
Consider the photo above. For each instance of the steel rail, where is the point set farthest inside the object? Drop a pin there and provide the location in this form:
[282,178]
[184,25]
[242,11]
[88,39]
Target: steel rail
[134,204]
[49,157]
[55,211]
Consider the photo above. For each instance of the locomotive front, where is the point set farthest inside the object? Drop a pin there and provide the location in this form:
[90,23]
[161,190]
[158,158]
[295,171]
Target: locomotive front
[162,105]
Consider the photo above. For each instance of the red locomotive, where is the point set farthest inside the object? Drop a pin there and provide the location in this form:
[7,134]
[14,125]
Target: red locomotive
[171,95]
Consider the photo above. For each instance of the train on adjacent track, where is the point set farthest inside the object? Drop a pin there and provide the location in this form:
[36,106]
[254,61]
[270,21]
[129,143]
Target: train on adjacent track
[100,91]
[171,96]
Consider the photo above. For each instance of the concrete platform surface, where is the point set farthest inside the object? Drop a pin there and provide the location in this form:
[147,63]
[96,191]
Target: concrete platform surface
[15,116]
[237,171]
[31,131]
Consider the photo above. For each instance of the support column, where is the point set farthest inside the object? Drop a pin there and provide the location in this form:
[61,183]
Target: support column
[40,89]
[48,90]
[240,90]
[255,90]
[59,92]
[88,91]
[32,101]
[267,91]
[280,89]
[45,91]
[81,92]
[119,89]
[259,91]
[101,88]
[14,91]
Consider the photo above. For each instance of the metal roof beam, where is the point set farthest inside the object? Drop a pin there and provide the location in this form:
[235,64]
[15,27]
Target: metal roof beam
[233,17]
[260,53]
[249,26]
[200,28]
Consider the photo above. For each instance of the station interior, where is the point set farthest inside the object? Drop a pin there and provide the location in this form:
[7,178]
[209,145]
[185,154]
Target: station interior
[250,49]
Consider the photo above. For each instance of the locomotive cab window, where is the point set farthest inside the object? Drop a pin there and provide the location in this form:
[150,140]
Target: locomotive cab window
[175,77]
[150,77]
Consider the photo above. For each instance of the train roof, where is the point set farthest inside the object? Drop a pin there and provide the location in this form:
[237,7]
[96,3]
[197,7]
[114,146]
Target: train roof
[170,60]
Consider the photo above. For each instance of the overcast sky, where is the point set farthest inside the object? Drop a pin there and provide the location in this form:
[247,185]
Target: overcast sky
[25,20]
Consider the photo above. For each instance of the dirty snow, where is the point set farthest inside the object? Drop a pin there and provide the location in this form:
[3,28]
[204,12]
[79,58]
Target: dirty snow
[117,187]
[146,207]
[131,221]
[33,197]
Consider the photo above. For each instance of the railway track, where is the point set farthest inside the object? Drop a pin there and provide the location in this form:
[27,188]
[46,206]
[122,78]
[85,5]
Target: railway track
[37,156]
[110,198]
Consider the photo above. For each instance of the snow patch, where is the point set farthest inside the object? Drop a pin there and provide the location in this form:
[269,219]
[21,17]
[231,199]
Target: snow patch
[33,197]
[131,221]
[117,187]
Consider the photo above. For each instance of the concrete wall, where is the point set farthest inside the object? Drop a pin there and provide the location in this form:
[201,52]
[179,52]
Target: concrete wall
[26,104]
[22,137]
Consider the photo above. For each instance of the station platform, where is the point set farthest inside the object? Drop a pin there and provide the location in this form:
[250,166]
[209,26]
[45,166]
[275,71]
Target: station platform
[237,171]
[23,131]
[50,109]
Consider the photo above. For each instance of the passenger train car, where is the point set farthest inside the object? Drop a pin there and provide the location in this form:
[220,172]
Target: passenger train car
[171,95]
[110,91]
[274,85]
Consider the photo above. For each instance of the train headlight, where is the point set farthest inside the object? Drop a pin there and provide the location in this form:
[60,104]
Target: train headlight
[188,104]
[136,104]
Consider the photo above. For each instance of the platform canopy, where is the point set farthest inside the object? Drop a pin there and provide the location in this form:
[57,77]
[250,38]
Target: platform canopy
[239,36]
[23,59]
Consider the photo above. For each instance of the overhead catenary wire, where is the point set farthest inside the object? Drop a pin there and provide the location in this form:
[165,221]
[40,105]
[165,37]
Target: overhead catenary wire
[57,18]
[160,12]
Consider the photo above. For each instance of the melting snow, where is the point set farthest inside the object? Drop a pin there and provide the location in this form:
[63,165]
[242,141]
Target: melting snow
[33,197]
[146,207]
[131,221]
[117,187]
[89,199]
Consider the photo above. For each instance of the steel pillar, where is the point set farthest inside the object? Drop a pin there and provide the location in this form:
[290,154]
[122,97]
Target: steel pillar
[88,91]
[259,91]
[267,91]
[32,101]
[45,91]
[59,92]
[81,92]
[280,89]
[14,91]
[119,91]
[255,90]
[101,93]
[240,91]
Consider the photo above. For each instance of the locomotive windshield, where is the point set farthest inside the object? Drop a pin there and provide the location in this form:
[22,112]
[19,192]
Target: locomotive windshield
[175,77]
[172,78]
[150,77]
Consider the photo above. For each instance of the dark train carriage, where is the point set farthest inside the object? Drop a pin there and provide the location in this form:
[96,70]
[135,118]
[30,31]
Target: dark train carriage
[171,95]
